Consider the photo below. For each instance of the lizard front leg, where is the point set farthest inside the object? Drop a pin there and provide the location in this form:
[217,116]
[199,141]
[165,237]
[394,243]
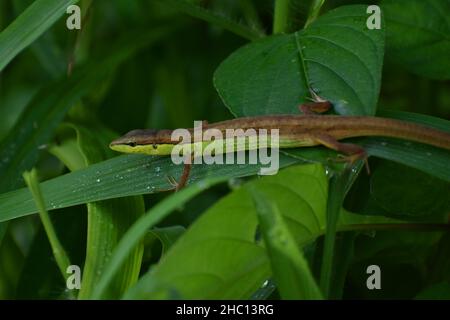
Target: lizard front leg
[187,166]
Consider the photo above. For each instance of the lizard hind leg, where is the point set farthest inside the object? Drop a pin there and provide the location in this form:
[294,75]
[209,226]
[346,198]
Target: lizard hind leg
[350,152]
[182,181]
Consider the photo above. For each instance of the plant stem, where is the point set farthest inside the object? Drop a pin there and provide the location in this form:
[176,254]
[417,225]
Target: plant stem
[281,14]
[337,189]
[61,257]
[314,11]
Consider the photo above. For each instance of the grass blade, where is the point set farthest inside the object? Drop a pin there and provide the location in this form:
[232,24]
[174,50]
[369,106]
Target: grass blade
[60,254]
[34,21]
[135,234]
[289,267]
[118,177]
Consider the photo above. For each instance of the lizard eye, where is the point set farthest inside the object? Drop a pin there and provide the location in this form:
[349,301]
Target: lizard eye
[155,146]
[132,144]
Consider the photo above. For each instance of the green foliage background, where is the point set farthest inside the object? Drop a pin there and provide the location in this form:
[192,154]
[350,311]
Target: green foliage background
[308,232]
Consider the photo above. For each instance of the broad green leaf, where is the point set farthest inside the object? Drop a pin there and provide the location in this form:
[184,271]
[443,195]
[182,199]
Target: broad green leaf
[220,256]
[337,56]
[290,269]
[417,35]
[121,176]
[34,21]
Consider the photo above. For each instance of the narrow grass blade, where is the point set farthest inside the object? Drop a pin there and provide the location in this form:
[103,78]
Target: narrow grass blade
[135,234]
[58,251]
[34,21]
[289,267]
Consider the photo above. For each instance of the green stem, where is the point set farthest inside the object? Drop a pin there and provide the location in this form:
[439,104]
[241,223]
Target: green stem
[337,189]
[314,11]
[61,257]
[281,15]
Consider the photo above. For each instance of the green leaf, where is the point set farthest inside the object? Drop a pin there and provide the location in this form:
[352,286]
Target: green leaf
[118,177]
[221,254]
[336,56]
[34,21]
[289,267]
[418,35]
